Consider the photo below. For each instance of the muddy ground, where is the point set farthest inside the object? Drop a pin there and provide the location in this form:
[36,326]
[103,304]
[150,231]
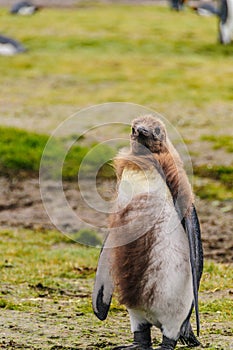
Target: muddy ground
[60,322]
[21,206]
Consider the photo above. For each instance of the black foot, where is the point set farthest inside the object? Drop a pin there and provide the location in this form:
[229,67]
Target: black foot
[142,339]
[187,337]
[167,344]
[189,340]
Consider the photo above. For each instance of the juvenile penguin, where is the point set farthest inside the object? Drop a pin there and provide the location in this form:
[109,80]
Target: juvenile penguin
[152,255]
[206,9]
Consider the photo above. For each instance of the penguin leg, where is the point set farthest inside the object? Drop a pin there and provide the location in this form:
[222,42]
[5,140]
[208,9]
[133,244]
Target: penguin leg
[141,330]
[170,331]
[167,344]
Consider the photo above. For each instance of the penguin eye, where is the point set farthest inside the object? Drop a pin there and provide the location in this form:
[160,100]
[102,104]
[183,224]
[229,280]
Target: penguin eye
[157,130]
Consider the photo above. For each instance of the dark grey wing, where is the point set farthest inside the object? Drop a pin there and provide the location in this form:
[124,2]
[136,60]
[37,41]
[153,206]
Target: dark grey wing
[192,228]
[104,286]
[198,244]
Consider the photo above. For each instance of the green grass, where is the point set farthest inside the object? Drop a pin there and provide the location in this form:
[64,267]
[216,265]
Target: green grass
[21,152]
[95,54]
[76,58]
[216,276]
[217,172]
[115,53]
[213,190]
[43,257]
[220,141]
[45,273]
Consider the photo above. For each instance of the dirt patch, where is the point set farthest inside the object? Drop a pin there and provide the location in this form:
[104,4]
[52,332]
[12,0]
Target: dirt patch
[21,206]
[61,323]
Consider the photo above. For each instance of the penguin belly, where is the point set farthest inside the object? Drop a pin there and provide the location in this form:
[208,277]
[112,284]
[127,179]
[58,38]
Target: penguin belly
[167,296]
[152,272]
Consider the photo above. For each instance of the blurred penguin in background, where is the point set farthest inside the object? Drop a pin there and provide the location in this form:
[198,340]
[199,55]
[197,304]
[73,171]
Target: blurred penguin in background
[177,5]
[226,22]
[10,47]
[206,9]
[24,8]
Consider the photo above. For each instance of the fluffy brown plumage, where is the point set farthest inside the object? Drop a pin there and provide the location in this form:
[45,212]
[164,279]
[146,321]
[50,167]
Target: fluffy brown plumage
[150,149]
[149,136]
[152,255]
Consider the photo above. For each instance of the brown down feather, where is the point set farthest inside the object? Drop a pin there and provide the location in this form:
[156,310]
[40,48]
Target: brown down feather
[131,262]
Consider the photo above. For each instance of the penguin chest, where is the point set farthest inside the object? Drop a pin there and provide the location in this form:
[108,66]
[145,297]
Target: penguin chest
[134,183]
[151,264]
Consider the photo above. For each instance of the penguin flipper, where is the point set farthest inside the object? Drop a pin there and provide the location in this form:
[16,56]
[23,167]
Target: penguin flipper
[192,228]
[104,286]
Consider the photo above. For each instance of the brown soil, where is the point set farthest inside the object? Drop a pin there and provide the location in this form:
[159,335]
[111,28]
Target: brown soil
[60,322]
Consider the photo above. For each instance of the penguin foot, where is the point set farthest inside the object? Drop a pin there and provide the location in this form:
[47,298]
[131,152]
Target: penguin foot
[187,337]
[142,339]
[190,340]
[167,344]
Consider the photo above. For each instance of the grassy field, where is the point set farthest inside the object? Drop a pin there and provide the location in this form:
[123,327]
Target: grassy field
[142,54]
[147,55]
[47,280]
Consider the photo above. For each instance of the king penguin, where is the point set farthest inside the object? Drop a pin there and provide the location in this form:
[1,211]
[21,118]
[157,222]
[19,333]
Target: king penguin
[23,8]
[9,46]
[226,22]
[152,256]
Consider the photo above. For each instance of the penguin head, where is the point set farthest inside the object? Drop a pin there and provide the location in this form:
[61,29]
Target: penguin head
[148,135]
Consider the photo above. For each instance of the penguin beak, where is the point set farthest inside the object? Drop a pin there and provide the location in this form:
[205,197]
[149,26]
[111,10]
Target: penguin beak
[140,131]
[144,139]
